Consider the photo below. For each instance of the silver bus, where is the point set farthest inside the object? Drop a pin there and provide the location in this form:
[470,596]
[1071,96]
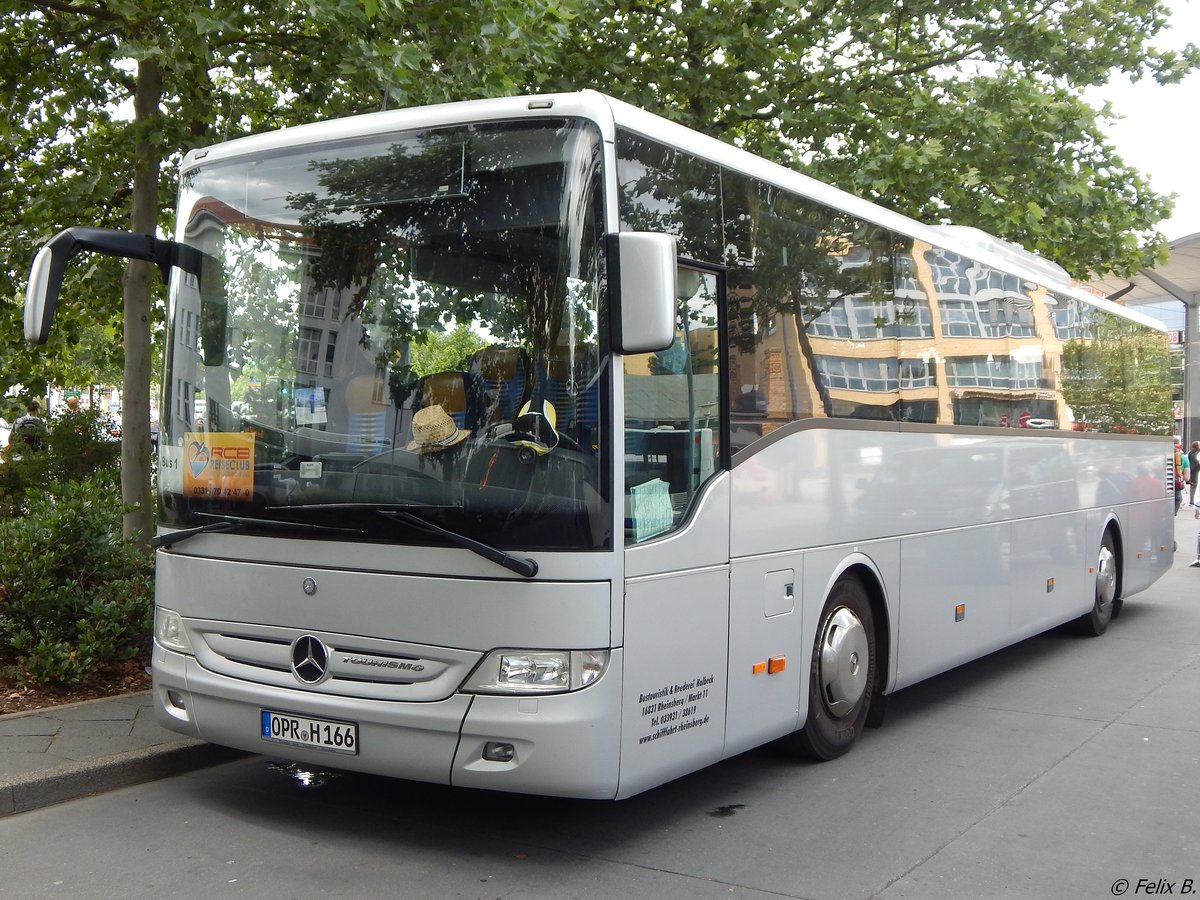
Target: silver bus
[543,445]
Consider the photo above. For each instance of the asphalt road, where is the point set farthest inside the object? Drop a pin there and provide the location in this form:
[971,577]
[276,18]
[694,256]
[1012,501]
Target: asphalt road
[1063,767]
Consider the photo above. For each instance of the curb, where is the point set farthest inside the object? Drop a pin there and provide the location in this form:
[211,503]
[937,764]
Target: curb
[74,780]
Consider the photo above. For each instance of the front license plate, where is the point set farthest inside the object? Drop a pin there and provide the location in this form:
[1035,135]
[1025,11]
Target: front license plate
[319,734]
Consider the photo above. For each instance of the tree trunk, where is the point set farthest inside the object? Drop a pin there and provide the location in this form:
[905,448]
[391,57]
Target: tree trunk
[137,283]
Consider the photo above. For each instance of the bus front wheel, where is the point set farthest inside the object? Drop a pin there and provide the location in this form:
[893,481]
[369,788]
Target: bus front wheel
[842,676]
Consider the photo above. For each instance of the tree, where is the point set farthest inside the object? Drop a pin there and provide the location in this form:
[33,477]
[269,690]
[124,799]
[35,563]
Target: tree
[966,112]
[1117,378]
[446,351]
[105,96]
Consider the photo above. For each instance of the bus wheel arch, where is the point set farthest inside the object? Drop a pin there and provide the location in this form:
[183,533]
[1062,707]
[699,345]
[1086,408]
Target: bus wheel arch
[849,655]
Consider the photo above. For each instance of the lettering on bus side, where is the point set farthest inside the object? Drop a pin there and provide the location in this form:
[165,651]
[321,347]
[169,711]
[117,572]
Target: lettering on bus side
[675,709]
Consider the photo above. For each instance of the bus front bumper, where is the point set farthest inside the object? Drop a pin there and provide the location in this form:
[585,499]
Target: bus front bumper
[564,745]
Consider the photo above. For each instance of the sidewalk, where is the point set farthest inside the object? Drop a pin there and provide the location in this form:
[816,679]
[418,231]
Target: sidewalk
[70,751]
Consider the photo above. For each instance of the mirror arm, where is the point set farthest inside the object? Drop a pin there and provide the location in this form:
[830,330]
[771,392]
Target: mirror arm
[163,253]
[169,254]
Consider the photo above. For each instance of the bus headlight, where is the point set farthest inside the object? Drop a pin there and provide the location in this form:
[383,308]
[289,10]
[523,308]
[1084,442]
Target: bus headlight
[536,671]
[169,631]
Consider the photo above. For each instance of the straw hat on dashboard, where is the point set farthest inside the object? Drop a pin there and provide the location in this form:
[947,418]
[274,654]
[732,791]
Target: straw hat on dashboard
[434,431]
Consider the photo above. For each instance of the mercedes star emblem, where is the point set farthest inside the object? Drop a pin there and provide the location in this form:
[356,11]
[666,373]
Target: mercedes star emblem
[310,659]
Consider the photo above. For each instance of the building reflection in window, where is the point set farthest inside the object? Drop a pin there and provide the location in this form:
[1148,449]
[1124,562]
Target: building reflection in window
[832,316]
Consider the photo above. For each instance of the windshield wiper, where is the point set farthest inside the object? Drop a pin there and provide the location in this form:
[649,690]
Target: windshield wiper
[229,523]
[166,540]
[403,512]
[373,507]
[526,567]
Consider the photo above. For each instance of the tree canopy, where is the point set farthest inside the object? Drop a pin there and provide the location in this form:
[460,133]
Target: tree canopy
[968,112]
[104,98]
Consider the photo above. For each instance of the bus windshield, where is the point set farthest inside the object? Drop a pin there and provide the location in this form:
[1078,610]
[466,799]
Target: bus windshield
[401,323]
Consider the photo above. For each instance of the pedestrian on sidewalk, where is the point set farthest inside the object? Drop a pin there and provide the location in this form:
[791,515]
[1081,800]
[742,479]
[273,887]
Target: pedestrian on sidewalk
[1193,457]
[29,431]
[1180,463]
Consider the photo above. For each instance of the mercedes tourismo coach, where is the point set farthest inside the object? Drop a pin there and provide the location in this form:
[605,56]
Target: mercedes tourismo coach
[543,445]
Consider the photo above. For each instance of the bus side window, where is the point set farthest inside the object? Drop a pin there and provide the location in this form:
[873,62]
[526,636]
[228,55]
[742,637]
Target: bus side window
[672,415]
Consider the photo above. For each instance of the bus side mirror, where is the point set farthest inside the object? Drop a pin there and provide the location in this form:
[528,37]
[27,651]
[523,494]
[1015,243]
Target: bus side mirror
[642,272]
[50,265]
[41,295]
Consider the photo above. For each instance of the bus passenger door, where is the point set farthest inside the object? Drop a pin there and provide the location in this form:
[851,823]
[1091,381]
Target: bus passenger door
[676,496]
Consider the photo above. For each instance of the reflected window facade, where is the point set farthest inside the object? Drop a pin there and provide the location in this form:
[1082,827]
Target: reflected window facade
[978,301]
[996,372]
[879,375]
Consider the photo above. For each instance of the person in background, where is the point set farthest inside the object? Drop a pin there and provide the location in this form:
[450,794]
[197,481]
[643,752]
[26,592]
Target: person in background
[1180,463]
[1193,457]
[1185,466]
[30,429]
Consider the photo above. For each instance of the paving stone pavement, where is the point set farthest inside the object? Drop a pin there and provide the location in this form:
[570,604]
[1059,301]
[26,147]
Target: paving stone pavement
[70,751]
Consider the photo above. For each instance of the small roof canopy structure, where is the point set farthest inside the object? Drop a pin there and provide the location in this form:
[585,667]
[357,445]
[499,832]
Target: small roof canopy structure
[1178,277]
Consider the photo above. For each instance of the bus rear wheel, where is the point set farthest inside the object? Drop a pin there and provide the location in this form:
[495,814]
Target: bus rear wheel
[1107,602]
[842,676]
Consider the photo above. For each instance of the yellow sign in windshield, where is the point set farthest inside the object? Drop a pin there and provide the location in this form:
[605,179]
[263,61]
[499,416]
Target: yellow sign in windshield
[218,465]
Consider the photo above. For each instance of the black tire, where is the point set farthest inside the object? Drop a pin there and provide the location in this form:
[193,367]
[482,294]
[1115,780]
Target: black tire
[1107,602]
[841,682]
